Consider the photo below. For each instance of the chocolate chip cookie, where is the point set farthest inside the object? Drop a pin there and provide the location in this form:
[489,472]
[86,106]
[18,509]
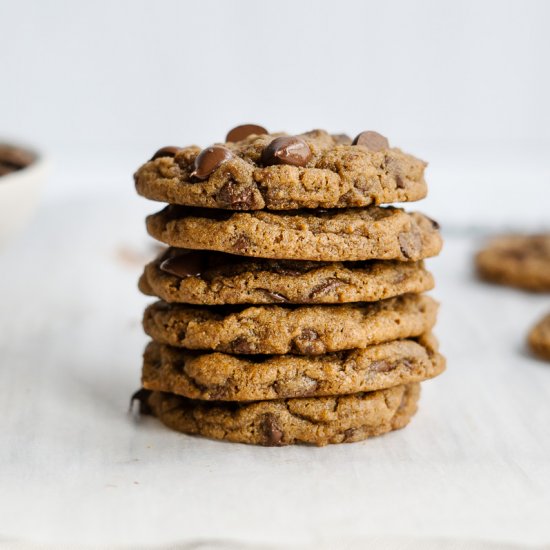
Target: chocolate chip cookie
[224,377]
[278,172]
[335,235]
[215,278]
[521,261]
[308,330]
[539,338]
[316,421]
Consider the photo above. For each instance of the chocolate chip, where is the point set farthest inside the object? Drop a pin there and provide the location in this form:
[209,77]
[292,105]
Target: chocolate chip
[399,277]
[308,343]
[241,243]
[209,159]
[275,296]
[243,131]
[273,434]
[381,366]
[325,287]
[184,265]
[349,433]
[142,396]
[286,150]
[399,183]
[435,224]
[236,196]
[410,244]
[241,345]
[169,151]
[372,141]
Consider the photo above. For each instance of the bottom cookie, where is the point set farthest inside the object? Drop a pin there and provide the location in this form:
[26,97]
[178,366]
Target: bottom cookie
[315,421]
[539,338]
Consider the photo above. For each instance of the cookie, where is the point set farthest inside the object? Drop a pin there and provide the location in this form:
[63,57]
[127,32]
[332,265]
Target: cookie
[223,377]
[335,235]
[215,278]
[305,330]
[539,338]
[249,175]
[316,421]
[517,260]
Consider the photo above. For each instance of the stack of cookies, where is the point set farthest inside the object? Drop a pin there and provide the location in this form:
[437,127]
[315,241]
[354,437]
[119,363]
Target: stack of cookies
[291,304]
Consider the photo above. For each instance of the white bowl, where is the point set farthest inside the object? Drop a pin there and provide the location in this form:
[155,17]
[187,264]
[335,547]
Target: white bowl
[19,192]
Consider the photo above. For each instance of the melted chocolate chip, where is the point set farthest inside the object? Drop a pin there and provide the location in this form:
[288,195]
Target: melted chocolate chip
[275,296]
[241,345]
[241,243]
[399,183]
[410,244]
[141,396]
[273,434]
[325,287]
[243,131]
[286,150]
[435,224]
[209,159]
[381,366]
[190,264]
[372,141]
[169,151]
[349,433]
[236,196]
[308,343]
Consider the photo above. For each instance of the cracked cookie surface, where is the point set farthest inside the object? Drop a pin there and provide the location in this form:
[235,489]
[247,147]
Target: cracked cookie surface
[305,330]
[223,377]
[316,421]
[539,338]
[521,261]
[338,175]
[215,278]
[336,235]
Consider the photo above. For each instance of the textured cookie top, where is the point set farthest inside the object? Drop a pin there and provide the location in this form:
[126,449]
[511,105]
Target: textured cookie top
[225,377]
[215,278]
[271,171]
[314,421]
[539,338]
[517,260]
[332,235]
[308,330]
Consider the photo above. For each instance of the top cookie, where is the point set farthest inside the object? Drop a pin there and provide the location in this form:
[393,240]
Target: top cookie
[280,172]
[517,260]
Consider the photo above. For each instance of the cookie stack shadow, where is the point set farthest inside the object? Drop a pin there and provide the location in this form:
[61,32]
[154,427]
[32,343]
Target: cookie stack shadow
[291,304]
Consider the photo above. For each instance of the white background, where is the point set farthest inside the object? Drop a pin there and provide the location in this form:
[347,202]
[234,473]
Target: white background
[466,85]
[99,86]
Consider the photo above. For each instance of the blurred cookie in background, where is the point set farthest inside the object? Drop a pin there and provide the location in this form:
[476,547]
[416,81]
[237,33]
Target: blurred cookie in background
[539,338]
[521,261]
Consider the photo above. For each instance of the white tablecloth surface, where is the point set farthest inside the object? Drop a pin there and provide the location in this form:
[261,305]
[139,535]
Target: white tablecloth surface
[471,471]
